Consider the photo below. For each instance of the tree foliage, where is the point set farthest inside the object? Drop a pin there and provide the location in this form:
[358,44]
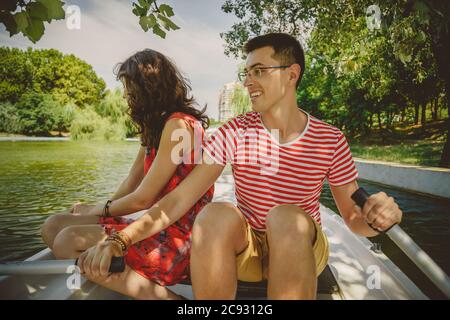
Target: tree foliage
[240,100]
[67,78]
[359,78]
[28,16]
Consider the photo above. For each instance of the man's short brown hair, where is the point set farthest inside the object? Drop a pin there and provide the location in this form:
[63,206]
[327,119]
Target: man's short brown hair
[288,49]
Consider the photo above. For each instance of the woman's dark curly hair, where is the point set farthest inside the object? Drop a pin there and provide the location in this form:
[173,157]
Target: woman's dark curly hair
[155,89]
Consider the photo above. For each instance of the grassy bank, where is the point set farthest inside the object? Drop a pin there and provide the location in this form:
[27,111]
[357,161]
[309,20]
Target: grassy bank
[406,144]
[425,153]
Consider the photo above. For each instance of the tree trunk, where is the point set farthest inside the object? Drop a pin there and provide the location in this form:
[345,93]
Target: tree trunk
[434,108]
[379,121]
[441,52]
[445,157]
[424,116]
[416,114]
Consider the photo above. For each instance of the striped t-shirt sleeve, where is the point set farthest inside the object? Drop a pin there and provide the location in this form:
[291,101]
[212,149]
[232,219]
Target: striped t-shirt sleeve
[221,145]
[343,168]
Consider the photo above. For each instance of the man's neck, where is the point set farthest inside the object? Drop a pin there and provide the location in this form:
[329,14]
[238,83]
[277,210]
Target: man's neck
[287,118]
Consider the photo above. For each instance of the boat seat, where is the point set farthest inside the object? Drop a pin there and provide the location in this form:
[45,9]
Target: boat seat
[326,284]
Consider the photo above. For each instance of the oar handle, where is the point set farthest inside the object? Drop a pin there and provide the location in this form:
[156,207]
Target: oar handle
[117,264]
[360,197]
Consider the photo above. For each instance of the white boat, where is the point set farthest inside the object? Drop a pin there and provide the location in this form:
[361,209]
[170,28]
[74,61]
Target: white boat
[354,270]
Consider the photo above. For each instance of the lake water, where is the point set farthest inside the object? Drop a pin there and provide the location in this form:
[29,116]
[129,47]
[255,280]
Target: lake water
[42,178]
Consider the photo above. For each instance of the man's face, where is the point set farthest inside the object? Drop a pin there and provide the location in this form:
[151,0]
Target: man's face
[268,86]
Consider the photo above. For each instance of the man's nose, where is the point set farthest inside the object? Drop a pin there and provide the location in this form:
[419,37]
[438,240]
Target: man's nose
[248,81]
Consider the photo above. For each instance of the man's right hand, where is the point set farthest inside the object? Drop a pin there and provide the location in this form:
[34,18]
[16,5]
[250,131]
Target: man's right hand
[81,208]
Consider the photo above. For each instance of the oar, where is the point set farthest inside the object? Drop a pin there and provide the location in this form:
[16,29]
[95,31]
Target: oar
[411,249]
[51,266]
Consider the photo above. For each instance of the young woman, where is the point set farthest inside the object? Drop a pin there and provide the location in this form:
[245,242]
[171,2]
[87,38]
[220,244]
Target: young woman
[171,132]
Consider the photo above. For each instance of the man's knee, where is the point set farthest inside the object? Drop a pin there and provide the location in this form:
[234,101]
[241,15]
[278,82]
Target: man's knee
[288,220]
[218,215]
[218,220]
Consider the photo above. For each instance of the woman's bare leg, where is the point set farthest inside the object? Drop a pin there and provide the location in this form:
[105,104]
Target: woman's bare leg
[55,223]
[70,242]
[132,284]
[75,239]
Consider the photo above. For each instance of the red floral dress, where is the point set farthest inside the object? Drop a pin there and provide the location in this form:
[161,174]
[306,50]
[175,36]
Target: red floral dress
[164,258]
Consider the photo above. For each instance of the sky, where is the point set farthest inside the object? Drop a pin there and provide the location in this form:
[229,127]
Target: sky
[109,33]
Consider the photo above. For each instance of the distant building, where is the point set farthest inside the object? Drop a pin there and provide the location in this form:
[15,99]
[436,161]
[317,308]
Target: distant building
[226,111]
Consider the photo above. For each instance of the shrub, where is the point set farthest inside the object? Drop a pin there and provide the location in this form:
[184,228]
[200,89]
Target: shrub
[9,119]
[87,124]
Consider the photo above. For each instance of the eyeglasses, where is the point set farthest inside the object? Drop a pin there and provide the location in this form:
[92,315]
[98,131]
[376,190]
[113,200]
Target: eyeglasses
[257,72]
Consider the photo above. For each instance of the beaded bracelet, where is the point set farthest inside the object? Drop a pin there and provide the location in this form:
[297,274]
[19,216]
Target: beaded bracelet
[122,239]
[121,244]
[106,209]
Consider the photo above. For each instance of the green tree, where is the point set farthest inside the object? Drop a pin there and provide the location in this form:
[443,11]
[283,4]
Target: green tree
[16,76]
[9,119]
[240,100]
[89,125]
[67,78]
[114,107]
[37,113]
[356,74]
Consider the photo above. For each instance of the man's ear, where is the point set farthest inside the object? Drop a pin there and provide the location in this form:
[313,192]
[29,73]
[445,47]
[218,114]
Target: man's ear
[294,73]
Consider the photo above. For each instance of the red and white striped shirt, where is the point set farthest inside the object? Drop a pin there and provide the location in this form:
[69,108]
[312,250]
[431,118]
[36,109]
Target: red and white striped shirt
[268,173]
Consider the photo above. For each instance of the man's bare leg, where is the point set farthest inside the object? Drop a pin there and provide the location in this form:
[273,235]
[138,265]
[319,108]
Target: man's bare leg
[292,268]
[219,234]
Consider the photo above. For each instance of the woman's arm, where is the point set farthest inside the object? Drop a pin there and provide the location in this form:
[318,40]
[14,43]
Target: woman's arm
[175,204]
[162,169]
[170,208]
[134,177]
[131,182]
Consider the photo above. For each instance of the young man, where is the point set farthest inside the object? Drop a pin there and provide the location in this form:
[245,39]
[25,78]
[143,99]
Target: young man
[274,231]
[280,156]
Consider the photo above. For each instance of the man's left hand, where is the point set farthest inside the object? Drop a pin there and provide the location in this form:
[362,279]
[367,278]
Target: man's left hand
[380,211]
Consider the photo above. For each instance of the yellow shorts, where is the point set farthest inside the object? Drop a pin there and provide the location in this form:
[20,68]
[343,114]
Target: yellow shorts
[252,263]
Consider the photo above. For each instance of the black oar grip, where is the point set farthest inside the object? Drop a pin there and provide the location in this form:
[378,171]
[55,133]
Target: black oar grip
[117,264]
[360,197]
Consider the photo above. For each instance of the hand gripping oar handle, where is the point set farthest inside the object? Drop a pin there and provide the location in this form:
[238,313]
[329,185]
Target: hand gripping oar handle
[42,267]
[410,248]
[117,264]
[360,197]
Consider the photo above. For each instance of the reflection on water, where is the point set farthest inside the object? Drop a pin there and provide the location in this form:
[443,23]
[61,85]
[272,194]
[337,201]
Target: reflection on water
[41,178]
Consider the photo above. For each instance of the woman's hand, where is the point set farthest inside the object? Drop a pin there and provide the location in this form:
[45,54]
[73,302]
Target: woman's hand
[81,208]
[95,261]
